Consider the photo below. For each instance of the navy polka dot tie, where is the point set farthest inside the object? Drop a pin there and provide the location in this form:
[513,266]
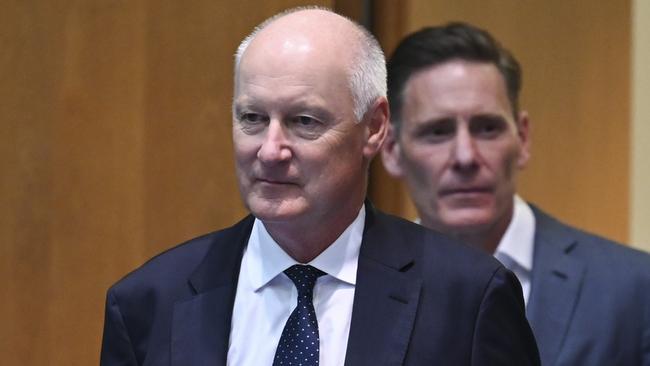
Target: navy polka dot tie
[299,341]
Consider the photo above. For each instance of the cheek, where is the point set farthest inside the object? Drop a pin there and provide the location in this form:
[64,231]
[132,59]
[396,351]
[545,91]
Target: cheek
[425,165]
[335,149]
[504,167]
[245,147]
[500,157]
[510,162]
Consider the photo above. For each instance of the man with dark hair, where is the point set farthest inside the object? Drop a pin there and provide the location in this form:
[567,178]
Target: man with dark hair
[315,275]
[458,139]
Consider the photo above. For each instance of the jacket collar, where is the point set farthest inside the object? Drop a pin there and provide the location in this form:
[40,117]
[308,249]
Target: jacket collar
[201,325]
[556,283]
[386,289]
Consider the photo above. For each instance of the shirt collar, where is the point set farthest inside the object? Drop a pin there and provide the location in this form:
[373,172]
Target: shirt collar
[266,259]
[518,240]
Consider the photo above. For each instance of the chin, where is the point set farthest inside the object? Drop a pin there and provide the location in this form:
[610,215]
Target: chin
[468,219]
[276,210]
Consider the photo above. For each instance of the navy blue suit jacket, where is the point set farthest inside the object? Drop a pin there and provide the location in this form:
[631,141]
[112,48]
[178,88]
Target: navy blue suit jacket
[420,299]
[590,298]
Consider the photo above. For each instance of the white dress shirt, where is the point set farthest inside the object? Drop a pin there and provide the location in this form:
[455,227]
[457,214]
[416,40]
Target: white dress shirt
[517,245]
[266,297]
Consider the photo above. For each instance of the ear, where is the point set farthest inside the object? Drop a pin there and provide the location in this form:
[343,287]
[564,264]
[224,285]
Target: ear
[523,132]
[377,126]
[391,153]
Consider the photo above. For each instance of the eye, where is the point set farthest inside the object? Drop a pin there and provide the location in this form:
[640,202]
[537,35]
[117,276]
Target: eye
[252,123]
[437,131]
[487,127]
[252,118]
[305,121]
[306,127]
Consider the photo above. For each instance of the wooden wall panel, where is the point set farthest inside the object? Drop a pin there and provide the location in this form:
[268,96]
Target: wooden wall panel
[115,144]
[575,56]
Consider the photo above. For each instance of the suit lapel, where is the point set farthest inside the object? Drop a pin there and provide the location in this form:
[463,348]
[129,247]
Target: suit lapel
[385,300]
[556,284]
[201,325]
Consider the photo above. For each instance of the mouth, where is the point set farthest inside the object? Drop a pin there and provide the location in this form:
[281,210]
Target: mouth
[465,191]
[274,182]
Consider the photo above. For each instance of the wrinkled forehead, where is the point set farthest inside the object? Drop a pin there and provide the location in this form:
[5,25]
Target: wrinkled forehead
[290,78]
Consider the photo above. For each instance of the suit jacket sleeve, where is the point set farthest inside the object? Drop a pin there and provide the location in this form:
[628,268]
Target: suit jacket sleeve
[502,335]
[117,349]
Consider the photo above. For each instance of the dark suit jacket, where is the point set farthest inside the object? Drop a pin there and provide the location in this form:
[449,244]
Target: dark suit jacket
[590,298]
[420,299]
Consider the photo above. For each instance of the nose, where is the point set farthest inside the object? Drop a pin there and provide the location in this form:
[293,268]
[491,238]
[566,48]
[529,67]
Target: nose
[275,146]
[464,154]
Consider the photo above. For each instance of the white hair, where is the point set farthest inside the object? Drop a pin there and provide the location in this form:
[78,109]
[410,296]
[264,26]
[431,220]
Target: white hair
[367,73]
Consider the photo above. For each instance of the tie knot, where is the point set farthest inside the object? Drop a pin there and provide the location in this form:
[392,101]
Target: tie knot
[303,276]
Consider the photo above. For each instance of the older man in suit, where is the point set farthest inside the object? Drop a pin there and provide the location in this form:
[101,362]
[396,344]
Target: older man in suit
[457,139]
[315,275]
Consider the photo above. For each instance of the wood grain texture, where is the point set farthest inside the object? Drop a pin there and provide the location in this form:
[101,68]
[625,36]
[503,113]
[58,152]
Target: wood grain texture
[115,144]
[575,57]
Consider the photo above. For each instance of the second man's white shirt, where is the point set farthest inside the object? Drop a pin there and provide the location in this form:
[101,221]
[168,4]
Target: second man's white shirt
[517,245]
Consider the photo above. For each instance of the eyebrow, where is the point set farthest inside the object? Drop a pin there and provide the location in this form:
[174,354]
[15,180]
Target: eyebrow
[316,110]
[238,107]
[491,116]
[447,119]
[436,120]
[290,108]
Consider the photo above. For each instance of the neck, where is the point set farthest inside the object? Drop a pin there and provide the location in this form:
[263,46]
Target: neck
[488,240]
[486,237]
[304,239]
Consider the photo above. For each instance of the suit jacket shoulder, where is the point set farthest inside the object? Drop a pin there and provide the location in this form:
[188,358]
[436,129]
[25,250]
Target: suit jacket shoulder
[140,307]
[439,302]
[590,297]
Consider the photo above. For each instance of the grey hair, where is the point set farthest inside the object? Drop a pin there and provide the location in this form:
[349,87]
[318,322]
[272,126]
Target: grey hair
[367,74]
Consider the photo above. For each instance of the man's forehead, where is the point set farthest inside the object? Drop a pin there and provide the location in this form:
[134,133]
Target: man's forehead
[457,84]
[291,87]
[457,70]
[296,65]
